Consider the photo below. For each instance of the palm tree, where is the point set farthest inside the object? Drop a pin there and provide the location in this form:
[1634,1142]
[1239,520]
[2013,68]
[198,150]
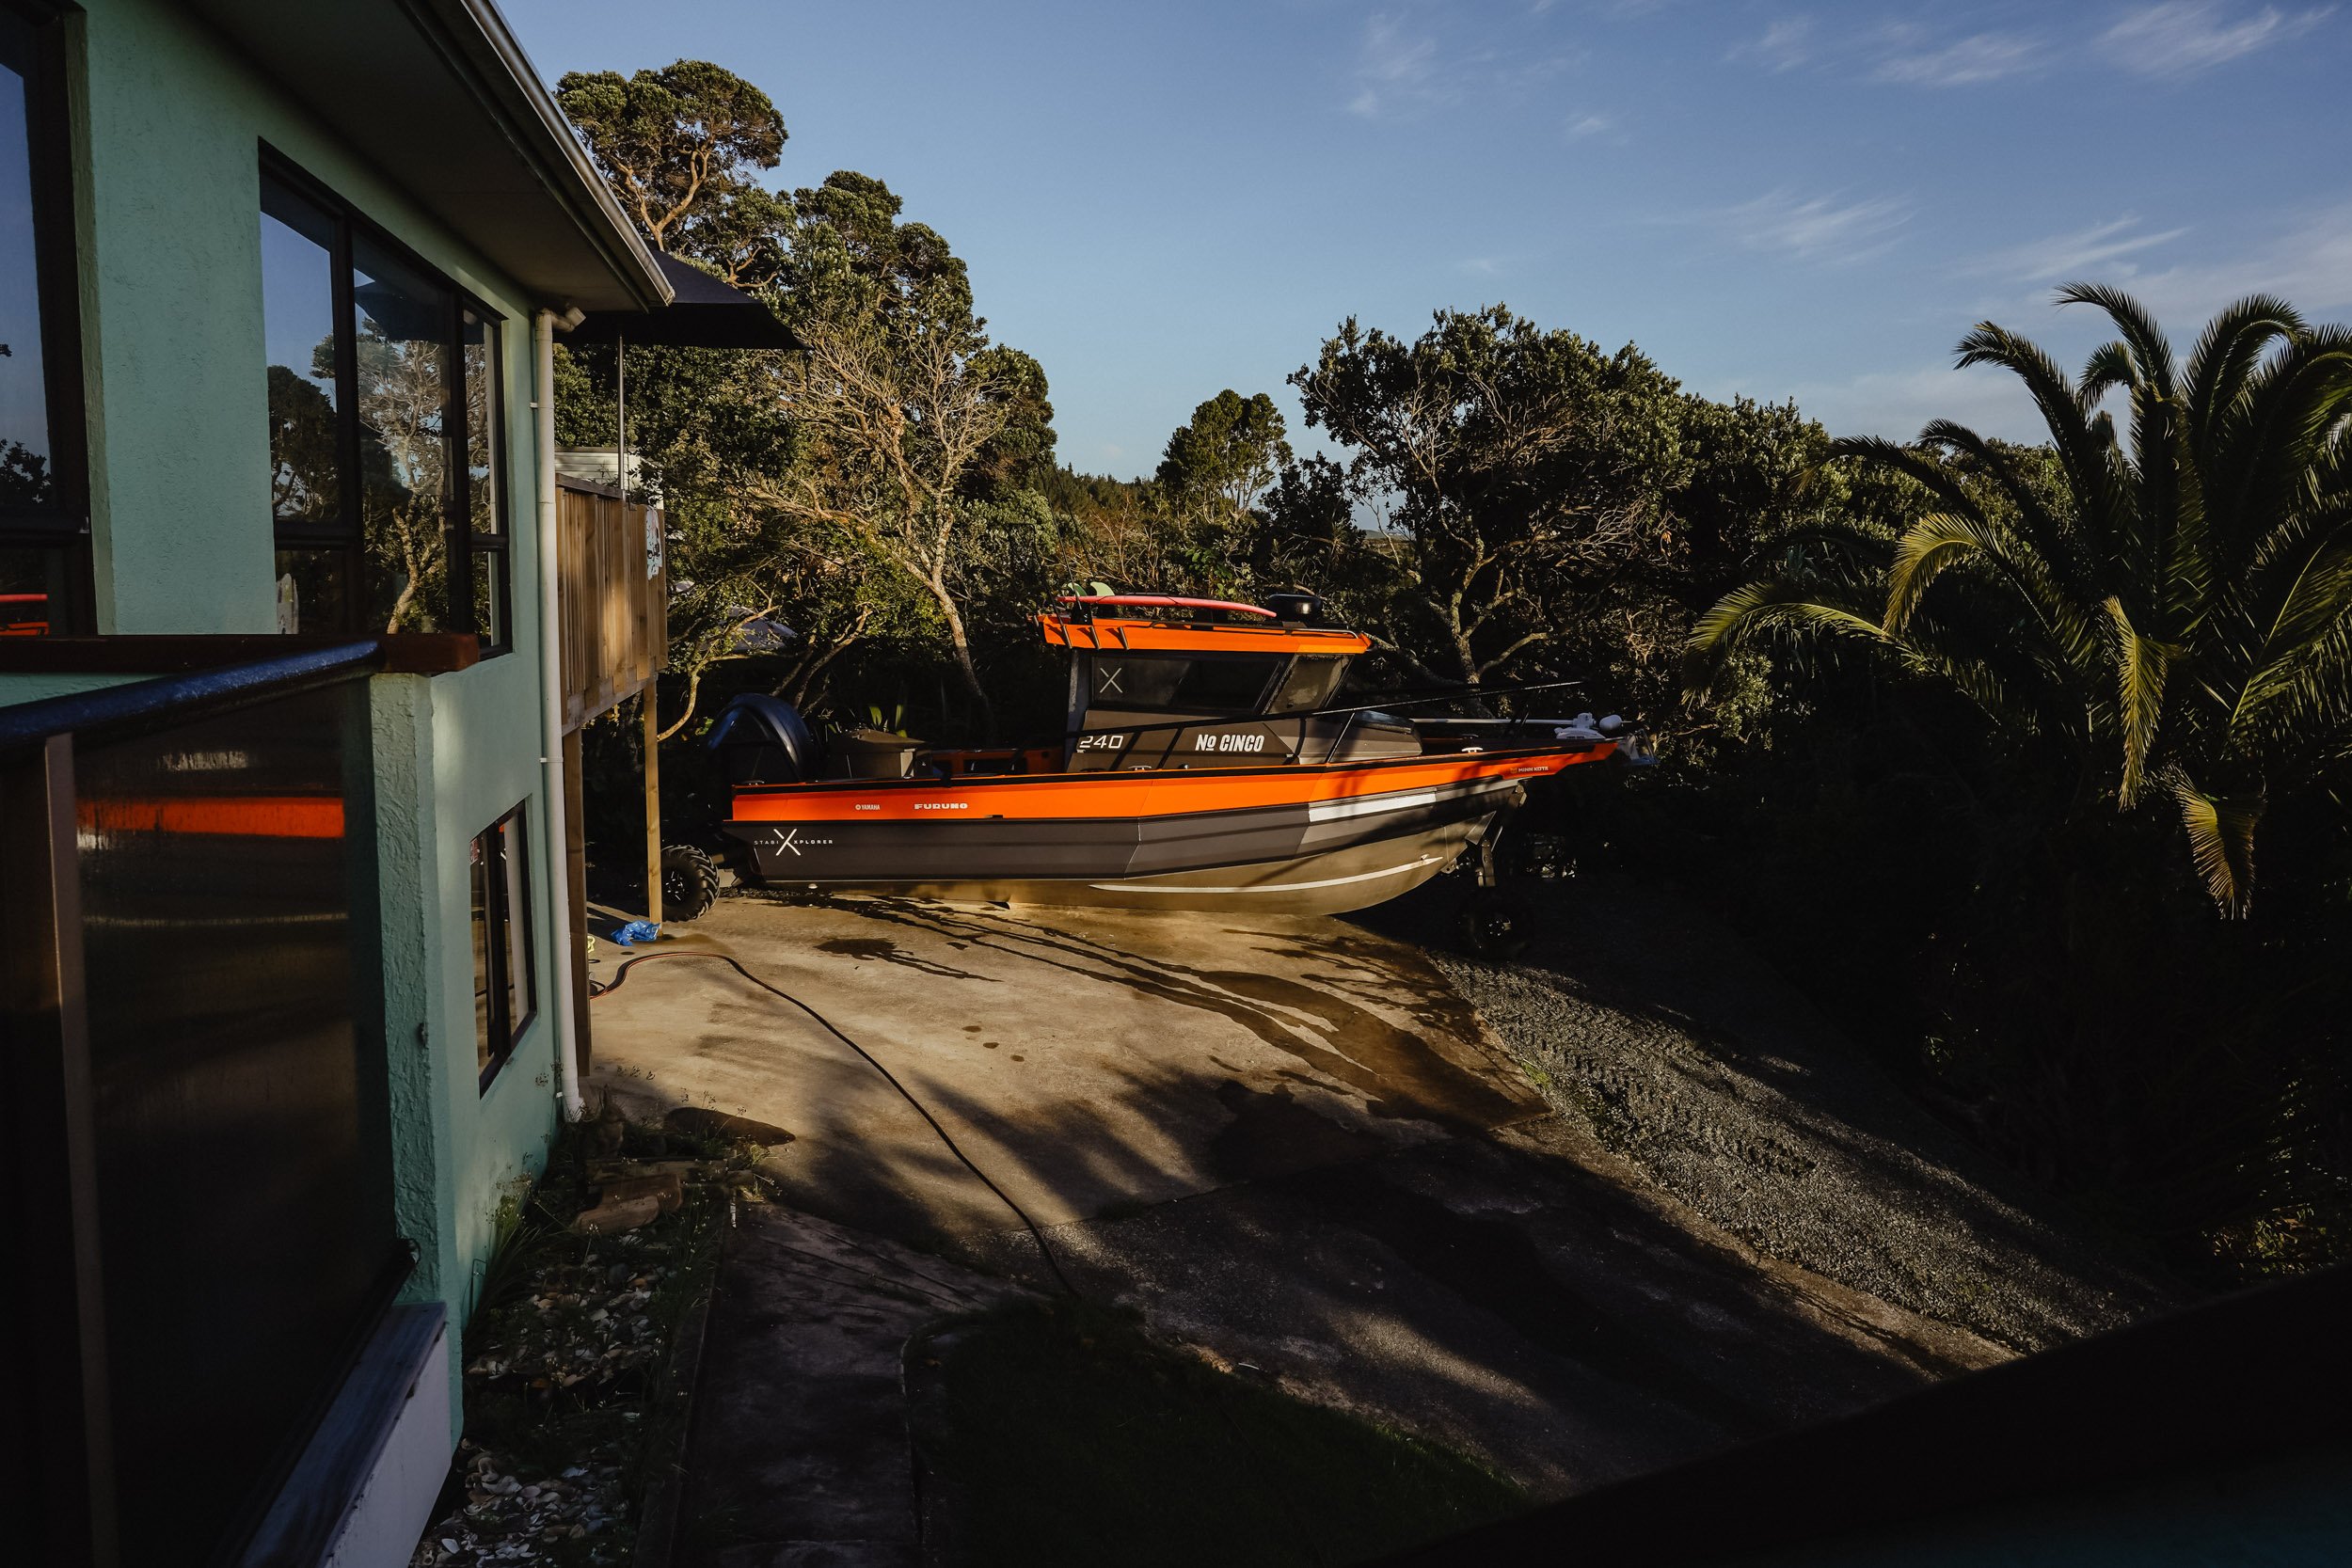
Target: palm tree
[2175,614]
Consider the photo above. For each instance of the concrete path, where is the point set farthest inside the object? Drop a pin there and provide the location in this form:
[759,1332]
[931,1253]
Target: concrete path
[1288,1142]
[799,1455]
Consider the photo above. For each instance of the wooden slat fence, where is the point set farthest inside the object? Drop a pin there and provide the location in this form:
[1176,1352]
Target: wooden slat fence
[615,591]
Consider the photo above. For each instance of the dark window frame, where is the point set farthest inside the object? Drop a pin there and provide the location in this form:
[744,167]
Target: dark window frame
[1184,694]
[464,542]
[65,524]
[487,854]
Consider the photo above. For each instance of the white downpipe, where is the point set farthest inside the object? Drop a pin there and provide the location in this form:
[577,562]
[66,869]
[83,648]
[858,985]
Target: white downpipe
[551,715]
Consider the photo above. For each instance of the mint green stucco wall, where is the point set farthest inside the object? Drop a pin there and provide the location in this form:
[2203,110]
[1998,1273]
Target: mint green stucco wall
[172,126]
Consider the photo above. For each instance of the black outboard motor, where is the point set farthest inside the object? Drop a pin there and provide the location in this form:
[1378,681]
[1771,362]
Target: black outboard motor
[762,740]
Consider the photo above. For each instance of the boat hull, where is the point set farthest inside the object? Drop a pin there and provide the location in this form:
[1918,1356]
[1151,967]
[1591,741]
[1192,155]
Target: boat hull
[1282,840]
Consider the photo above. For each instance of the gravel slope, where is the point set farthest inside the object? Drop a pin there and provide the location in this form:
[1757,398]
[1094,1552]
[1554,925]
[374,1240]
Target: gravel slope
[1651,1023]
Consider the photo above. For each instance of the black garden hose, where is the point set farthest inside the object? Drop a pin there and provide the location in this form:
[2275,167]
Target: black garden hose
[920,1109]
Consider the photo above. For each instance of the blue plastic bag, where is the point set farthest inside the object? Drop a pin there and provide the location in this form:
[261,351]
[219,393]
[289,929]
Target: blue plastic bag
[637,931]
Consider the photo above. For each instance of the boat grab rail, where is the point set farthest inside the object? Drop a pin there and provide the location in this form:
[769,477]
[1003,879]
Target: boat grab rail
[1350,713]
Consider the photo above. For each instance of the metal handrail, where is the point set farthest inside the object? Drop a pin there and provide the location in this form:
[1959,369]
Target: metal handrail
[1204,721]
[140,707]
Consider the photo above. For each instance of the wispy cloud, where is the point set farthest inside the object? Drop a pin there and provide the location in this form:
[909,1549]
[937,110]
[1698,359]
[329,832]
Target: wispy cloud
[2182,37]
[2059,258]
[2309,264]
[1411,60]
[1896,404]
[1786,44]
[1581,126]
[1825,228]
[1964,62]
[1393,66]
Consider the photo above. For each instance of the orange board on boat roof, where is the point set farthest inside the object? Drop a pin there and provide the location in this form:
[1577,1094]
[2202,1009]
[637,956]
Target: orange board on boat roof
[1119,634]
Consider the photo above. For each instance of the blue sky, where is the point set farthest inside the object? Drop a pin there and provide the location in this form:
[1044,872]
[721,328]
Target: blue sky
[1780,200]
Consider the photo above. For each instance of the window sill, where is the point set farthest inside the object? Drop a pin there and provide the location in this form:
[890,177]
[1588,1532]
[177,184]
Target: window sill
[405,653]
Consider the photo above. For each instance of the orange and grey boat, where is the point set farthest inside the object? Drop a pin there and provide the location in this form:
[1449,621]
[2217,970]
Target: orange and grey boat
[1202,767]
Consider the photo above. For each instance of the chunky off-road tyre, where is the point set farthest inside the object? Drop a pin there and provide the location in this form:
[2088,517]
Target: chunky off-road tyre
[689,882]
[1491,927]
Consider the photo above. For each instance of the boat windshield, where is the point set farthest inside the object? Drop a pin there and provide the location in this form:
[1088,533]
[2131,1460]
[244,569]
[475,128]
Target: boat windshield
[1309,684]
[1206,684]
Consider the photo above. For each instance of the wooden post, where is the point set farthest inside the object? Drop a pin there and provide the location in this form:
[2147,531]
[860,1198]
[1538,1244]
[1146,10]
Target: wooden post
[652,804]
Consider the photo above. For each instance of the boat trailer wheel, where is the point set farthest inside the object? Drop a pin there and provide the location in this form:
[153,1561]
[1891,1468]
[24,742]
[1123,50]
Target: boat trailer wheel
[1493,926]
[689,882]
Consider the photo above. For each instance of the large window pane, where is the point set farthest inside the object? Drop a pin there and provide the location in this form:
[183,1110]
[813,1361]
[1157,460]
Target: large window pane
[27,477]
[478,344]
[406,325]
[485,1021]
[521,993]
[299,327]
[387,485]
[489,597]
[312,593]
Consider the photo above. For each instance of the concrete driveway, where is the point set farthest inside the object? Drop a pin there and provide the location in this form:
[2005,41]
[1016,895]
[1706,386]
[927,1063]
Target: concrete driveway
[1288,1142]
[1091,1062]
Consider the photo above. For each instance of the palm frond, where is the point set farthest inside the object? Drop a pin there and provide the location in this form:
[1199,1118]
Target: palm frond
[2225,354]
[2084,441]
[1775,604]
[2220,844]
[2149,345]
[2140,665]
[2111,366]
[2044,529]
[1936,541]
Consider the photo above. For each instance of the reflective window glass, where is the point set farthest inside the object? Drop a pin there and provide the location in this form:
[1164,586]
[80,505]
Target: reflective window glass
[516,861]
[478,346]
[489,595]
[504,988]
[33,590]
[26,472]
[312,593]
[1308,685]
[384,429]
[405,386]
[299,327]
[1224,685]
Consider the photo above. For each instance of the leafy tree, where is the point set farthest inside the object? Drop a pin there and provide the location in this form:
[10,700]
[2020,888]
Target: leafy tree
[1221,461]
[2174,613]
[900,396]
[675,144]
[1523,471]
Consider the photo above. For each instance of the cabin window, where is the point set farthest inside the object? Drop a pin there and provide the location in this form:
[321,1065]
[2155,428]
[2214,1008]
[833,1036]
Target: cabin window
[504,997]
[384,430]
[44,515]
[1309,684]
[1208,682]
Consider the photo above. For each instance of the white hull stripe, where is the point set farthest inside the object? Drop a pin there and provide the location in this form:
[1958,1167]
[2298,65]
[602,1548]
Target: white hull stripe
[1275,887]
[1404,799]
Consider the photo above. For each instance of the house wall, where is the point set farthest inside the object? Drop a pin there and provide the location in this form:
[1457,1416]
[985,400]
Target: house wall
[168,176]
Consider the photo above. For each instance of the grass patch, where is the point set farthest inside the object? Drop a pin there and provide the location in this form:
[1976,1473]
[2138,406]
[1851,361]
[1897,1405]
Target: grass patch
[1066,1436]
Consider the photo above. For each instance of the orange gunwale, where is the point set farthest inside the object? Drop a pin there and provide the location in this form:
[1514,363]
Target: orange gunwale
[1122,635]
[1158,792]
[230,816]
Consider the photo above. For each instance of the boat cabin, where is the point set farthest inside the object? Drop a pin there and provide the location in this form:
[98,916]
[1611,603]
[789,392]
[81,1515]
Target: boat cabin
[1158,682]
